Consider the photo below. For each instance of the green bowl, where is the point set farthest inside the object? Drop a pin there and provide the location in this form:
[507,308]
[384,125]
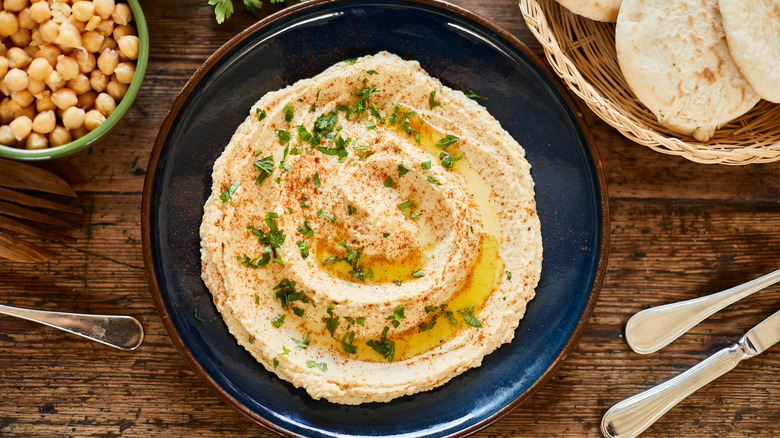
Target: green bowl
[112,120]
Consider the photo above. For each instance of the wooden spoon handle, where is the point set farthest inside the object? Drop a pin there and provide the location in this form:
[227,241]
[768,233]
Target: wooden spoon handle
[18,250]
[26,177]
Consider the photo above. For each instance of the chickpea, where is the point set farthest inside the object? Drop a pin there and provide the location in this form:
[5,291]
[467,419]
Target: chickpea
[4,64]
[21,127]
[69,36]
[93,23]
[60,12]
[50,53]
[92,41]
[98,80]
[25,20]
[40,12]
[80,84]
[79,25]
[122,14]
[37,141]
[104,8]
[27,111]
[16,80]
[59,136]
[73,117]
[86,60]
[39,69]
[35,86]
[79,132]
[7,109]
[22,37]
[68,67]
[108,43]
[14,5]
[120,31]
[3,49]
[23,98]
[49,31]
[8,23]
[55,81]
[44,103]
[105,104]
[83,10]
[116,89]
[6,136]
[107,61]
[17,58]
[87,100]
[124,72]
[105,28]
[44,122]
[64,98]
[129,45]
[93,119]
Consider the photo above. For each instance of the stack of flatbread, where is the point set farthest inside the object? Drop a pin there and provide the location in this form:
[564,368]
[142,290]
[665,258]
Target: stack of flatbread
[696,64]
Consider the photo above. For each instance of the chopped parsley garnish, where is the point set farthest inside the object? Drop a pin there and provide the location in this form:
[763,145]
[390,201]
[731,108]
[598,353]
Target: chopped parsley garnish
[418,273]
[397,316]
[331,321]
[256,262]
[430,324]
[304,247]
[433,180]
[340,149]
[215,318]
[314,104]
[398,282]
[389,182]
[278,320]
[405,204]
[351,209]
[286,293]
[317,182]
[303,202]
[363,103]
[446,141]
[257,299]
[261,114]
[402,170]
[297,311]
[347,342]
[303,133]
[383,346]
[322,126]
[450,317]
[448,161]
[468,316]
[304,343]
[472,95]
[284,136]
[349,60]
[425,165]
[276,363]
[272,240]
[431,100]
[198,317]
[265,166]
[353,258]
[385,235]
[395,114]
[289,112]
[330,217]
[228,193]
[509,275]
[372,72]
[371,125]
[251,339]
[306,229]
[321,365]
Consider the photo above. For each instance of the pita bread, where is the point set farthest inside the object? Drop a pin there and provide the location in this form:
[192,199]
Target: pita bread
[753,35]
[674,56]
[599,10]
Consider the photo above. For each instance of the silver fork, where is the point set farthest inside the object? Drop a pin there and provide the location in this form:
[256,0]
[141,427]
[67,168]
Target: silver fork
[119,331]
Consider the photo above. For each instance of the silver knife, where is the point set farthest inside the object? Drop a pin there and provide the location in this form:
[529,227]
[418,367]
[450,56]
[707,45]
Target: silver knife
[633,415]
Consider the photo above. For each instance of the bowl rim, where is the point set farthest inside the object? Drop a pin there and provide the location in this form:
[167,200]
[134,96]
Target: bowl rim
[208,65]
[112,120]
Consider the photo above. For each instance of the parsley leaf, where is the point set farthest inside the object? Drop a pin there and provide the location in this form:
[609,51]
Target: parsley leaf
[446,141]
[278,320]
[321,365]
[265,166]
[304,343]
[418,273]
[284,136]
[306,229]
[431,100]
[383,346]
[346,342]
[286,293]
[330,217]
[289,113]
[433,180]
[331,321]
[389,182]
[304,247]
[223,9]
[261,114]
[228,193]
[402,170]
[425,165]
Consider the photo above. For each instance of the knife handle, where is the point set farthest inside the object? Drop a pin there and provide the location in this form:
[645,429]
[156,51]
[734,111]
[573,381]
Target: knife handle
[633,415]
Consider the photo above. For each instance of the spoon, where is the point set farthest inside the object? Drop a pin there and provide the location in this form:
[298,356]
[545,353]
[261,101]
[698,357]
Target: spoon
[123,332]
[654,328]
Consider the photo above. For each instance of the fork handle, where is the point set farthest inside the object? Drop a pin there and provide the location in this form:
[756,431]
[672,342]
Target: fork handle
[654,328]
[123,332]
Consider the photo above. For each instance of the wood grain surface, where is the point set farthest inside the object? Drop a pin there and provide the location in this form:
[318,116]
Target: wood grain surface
[678,230]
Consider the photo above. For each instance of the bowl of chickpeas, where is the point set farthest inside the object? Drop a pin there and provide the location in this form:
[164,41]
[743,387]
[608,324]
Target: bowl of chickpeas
[69,71]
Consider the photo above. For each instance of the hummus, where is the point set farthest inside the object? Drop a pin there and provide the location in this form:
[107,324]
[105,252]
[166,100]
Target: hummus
[370,232]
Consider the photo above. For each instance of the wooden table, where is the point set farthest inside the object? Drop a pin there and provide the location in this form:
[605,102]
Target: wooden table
[678,230]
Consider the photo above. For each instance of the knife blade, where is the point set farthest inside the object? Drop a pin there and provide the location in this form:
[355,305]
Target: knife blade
[633,415]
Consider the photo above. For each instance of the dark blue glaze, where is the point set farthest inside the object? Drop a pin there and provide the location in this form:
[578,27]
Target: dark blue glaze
[462,53]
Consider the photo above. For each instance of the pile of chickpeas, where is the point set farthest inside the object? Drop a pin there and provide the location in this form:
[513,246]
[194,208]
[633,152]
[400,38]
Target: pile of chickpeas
[64,66]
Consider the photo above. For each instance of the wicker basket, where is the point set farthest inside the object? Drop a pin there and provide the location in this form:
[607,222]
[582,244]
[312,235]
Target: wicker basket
[582,53]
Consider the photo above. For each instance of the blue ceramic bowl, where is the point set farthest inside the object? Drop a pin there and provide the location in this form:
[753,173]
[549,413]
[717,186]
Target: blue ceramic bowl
[463,50]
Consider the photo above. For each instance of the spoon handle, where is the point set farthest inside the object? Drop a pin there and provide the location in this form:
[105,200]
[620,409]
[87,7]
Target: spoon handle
[652,329]
[633,415]
[123,332]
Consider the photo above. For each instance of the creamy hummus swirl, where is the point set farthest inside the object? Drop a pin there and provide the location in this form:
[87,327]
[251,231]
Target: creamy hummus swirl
[370,233]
